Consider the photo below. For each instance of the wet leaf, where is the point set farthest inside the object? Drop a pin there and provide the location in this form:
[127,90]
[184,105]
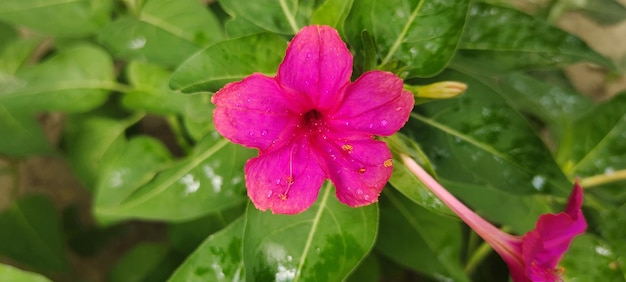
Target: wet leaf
[279,16]
[207,181]
[332,13]
[414,38]
[324,243]
[477,139]
[594,145]
[74,80]
[164,32]
[31,234]
[504,39]
[58,18]
[228,61]
[218,258]
[419,239]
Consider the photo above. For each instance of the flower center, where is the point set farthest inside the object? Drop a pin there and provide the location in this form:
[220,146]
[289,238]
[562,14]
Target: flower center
[313,122]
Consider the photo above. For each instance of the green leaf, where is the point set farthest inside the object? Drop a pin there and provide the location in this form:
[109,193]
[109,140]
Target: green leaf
[151,93]
[145,262]
[73,18]
[278,16]
[332,13]
[324,243]
[589,258]
[218,258]
[27,137]
[406,182]
[7,34]
[239,27]
[419,239]
[418,37]
[506,39]
[228,61]
[367,271]
[71,81]
[10,273]
[478,140]
[209,180]
[594,145]
[31,234]
[605,12]
[91,141]
[187,236]
[164,32]
[13,56]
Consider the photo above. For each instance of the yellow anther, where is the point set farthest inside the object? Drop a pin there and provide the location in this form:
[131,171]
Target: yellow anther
[347,147]
[388,163]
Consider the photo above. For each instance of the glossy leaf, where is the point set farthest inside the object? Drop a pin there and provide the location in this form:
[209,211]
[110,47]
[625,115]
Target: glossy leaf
[477,139]
[71,81]
[511,39]
[324,243]
[10,273]
[145,262]
[27,137]
[332,13]
[209,180]
[91,141]
[151,93]
[228,61]
[57,18]
[417,37]
[421,240]
[31,234]
[594,145]
[164,31]
[218,258]
[279,16]
[590,258]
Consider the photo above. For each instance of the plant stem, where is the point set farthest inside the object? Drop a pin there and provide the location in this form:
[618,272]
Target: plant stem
[601,179]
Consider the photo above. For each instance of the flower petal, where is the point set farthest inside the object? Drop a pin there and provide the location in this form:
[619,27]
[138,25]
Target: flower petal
[545,245]
[255,112]
[318,64]
[374,103]
[286,180]
[358,168]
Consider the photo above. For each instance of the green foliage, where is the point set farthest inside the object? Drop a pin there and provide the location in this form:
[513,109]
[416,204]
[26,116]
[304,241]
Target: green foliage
[510,147]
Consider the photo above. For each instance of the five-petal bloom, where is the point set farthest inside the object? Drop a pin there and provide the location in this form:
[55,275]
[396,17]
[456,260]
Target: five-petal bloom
[311,123]
[532,257]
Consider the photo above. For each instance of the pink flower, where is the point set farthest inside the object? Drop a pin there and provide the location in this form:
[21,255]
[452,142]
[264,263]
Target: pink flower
[311,123]
[532,257]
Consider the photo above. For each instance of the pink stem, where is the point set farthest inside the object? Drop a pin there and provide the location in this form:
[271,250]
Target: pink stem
[503,243]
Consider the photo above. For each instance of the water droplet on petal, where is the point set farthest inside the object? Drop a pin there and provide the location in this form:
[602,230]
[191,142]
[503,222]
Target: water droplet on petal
[309,55]
[248,100]
[269,193]
[366,197]
[278,181]
[251,133]
[263,132]
[371,125]
[398,109]
[347,123]
[359,192]
[383,123]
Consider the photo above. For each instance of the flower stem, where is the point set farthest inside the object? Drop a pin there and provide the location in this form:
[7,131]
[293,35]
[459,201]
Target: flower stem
[477,257]
[502,242]
[601,179]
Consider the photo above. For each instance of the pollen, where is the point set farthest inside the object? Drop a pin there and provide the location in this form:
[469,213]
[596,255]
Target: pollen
[362,170]
[282,196]
[388,163]
[347,147]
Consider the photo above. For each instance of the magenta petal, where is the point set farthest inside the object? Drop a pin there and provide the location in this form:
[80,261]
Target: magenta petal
[358,168]
[285,181]
[543,247]
[318,64]
[375,103]
[255,112]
